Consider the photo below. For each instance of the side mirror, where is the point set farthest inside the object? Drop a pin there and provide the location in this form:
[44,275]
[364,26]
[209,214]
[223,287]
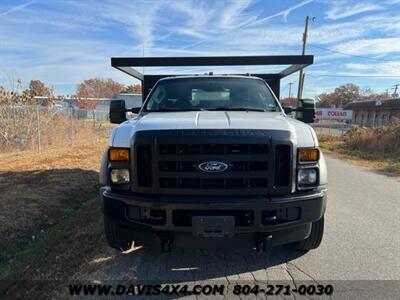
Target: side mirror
[305,112]
[117,111]
[135,110]
[288,109]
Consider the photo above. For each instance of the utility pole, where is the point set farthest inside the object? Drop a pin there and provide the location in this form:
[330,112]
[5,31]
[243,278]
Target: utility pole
[303,52]
[290,89]
[303,75]
[395,89]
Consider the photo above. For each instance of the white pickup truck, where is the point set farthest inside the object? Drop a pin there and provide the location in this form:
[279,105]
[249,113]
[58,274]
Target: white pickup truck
[213,161]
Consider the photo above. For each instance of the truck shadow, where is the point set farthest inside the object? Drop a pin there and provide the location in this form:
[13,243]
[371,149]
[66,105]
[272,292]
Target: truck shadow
[198,265]
[189,267]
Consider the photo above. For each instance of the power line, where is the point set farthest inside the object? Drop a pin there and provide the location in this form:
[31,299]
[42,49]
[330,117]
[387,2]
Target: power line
[353,55]
[395,89]
[366,76]
[287,85]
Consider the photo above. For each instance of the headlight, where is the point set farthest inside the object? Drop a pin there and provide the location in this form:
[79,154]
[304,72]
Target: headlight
[120,176]
[307,177]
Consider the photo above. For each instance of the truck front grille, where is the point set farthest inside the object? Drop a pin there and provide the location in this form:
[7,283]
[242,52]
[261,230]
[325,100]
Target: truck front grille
[282,165]
[204,183]
[248,166]
[144,165]
[217,149]
[167,162]
[190,166]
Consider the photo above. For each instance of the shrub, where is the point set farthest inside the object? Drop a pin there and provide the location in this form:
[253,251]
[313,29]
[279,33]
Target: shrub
[385,139]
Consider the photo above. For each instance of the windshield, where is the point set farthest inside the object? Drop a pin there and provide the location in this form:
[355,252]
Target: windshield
[211,93]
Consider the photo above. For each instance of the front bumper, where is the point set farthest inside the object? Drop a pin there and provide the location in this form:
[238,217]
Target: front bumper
[151,219]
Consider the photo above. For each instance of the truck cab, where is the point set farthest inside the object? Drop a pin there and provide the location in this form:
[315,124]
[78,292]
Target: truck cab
[213,161]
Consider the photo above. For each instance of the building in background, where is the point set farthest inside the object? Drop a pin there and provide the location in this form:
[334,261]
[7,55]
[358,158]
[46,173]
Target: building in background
[375,112]
[103,105]
[131,100]
[97,108]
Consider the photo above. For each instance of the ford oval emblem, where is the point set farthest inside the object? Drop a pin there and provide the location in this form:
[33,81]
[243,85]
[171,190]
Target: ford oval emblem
[213,166]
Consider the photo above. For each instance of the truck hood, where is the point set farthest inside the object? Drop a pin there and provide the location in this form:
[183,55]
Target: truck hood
[301,132]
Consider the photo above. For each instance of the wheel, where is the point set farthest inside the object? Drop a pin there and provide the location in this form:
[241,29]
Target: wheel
[315,238]
[115,236]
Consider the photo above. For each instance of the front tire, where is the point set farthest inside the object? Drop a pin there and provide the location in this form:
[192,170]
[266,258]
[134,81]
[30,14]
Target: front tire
[115,236]
[315,238]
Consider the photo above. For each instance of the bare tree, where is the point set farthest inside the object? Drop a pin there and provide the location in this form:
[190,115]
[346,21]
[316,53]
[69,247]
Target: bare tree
[13,85]
[5,96]
[133,89]
[292,102]
[37,89]
[345,94]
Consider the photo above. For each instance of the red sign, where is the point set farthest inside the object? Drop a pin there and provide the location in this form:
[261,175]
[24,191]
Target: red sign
[333,113]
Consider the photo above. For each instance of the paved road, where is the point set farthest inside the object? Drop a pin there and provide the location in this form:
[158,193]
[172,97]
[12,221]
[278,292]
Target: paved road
[361,242]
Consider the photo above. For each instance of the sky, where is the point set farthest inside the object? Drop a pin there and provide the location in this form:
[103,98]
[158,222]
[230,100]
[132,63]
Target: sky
[63,42]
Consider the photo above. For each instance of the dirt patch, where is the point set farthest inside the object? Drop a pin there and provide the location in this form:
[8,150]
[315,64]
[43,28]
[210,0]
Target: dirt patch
[37,190]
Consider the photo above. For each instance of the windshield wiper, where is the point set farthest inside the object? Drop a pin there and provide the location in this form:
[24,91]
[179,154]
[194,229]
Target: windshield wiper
[236,109]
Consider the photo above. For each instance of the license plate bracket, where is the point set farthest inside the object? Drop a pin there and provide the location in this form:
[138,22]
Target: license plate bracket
[213,226]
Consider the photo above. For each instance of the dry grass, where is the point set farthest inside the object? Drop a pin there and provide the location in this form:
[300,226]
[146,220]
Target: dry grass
[376,148]
[384,140]
[36,190]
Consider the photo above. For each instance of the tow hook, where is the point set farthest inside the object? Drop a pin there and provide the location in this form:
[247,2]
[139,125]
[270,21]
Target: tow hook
[263,242]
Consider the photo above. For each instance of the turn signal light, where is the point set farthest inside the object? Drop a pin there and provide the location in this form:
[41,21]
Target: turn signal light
[118,154]
[308,155]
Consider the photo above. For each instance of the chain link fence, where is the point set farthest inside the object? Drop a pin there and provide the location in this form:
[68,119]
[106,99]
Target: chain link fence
[36,127]
[332,127]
